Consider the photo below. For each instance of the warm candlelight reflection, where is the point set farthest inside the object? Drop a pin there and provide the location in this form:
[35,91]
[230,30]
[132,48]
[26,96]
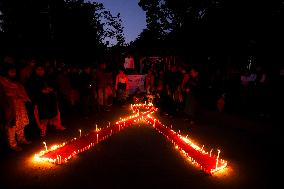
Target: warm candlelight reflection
[208,162]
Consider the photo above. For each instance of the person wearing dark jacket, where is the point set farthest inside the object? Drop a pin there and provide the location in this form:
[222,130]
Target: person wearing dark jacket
[44,97]
[192,90]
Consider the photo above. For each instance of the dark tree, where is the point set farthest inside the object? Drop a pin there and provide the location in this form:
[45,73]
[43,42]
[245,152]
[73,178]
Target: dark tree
[65,27]
[214,27]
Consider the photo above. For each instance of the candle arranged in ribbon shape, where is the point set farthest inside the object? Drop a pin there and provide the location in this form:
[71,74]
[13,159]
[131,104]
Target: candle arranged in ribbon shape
[208,162]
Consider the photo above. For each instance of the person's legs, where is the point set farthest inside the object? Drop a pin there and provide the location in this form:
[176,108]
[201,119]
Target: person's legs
[42,127]
[86,104]
[56,121]
[20,133]
[105,98]
[101,98]
[109,96]
[10,116]
[194,108]
[22,120]
[11,136]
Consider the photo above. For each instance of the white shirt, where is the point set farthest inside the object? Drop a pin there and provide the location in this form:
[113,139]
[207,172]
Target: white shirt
[129,62]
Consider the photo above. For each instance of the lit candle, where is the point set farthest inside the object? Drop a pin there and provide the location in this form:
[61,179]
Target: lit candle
[45,146]
[217,158]
[210,152]
[202,148]
[173,136]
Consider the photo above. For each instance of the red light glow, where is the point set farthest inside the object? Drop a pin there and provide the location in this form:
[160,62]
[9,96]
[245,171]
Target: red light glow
[59,154]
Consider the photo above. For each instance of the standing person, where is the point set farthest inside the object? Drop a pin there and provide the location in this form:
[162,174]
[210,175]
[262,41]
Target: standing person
[192,90]
[74,78]
[171,84]
[109,87]
[26,71]
[121,86]
[263,95]
[3,100]
[101,82]
[129,64]
[149,82]
[46,110]
[87,88]
[17,115]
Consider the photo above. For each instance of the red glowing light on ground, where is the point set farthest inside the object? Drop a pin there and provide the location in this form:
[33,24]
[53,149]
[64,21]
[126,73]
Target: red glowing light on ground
[198,156]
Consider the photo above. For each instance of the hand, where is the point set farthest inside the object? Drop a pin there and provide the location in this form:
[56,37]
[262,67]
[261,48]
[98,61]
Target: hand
[45,90]
[50,89]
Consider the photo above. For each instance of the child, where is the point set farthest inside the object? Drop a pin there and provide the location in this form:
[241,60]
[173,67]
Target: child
[138,96]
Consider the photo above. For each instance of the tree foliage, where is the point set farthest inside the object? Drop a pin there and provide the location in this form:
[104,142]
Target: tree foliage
[212,25]
[67,25]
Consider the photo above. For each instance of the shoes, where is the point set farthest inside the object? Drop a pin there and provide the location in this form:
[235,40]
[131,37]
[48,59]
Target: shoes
[107,110]
[16,148]
[25,142]
[60,127]
[42,134]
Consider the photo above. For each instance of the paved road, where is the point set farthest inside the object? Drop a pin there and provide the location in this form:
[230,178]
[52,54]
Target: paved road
[139,157]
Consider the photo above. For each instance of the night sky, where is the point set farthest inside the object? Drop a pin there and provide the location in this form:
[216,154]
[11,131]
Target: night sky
[133,17]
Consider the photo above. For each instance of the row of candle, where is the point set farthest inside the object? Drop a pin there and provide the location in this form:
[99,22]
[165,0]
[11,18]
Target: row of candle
[59,154]
[206,161]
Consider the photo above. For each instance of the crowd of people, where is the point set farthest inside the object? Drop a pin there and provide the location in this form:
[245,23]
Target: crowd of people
[174,90]
[253,91]
[42,91]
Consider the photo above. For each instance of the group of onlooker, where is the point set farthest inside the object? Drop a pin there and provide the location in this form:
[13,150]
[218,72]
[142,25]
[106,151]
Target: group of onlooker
[39,92]
[31,89]
[185,88]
